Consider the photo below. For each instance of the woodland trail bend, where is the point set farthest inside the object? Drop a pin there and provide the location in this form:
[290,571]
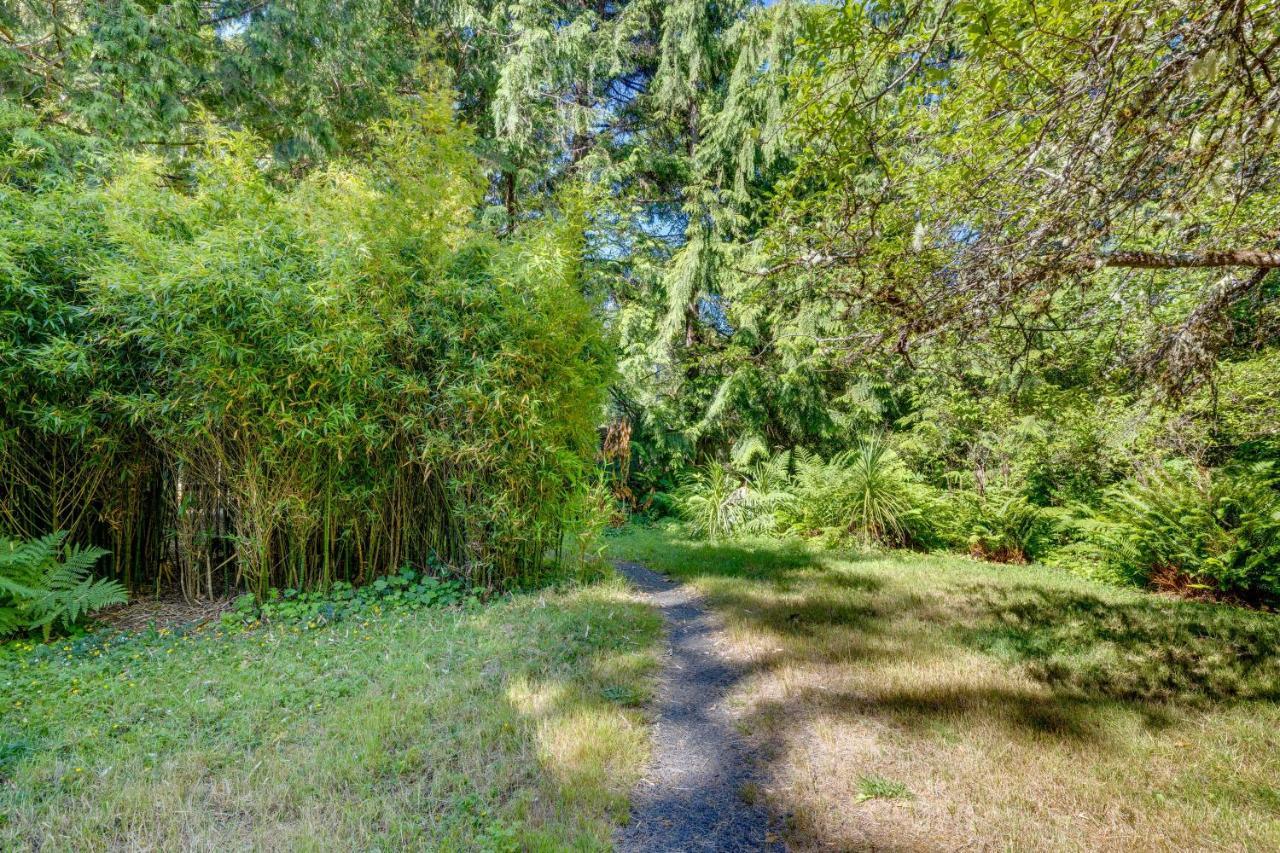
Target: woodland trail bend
[690,798]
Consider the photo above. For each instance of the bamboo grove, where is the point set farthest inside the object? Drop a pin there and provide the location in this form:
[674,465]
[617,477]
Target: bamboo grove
[231,380]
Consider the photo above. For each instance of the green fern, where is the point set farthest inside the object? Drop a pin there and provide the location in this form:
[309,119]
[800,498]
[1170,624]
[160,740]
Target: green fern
[1217,528]
[866,491]
[1001,525]
[768,494]
[747,451]
[817,486]
[46,585]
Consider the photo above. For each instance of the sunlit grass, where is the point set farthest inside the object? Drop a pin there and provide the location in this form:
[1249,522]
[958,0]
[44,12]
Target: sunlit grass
[508,726]
[923,702]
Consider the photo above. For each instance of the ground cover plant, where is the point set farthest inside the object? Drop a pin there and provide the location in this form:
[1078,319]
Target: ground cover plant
[402,592]
[905,700]
[514,725]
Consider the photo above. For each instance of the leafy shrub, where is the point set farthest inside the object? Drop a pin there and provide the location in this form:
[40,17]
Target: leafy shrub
[711,501]
[46,585]
[1191,528]
[818,486]
[404,591]
[999,525]
[747,498]
[866,491]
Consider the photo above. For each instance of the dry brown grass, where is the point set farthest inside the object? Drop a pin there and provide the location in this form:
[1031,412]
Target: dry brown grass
[1019,708]
[172,611]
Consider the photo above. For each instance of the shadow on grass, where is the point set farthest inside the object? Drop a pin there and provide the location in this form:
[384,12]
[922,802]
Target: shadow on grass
[900,658]
[782,565]
[1152,649]
[923,709]
[1082,642]
[587,668]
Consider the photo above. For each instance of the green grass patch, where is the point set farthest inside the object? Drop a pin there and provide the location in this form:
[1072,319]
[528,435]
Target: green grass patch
[873,787]
[510,725]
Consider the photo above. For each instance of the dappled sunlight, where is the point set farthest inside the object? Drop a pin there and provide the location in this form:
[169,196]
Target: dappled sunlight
[440,729]
[581,740]
[535,701]
[594,753]
[590,748]
[1016,705]
[537,426]
[588,736]
[584,733]
[1143,648]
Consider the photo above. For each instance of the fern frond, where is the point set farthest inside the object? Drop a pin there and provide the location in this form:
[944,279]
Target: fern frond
[43,584]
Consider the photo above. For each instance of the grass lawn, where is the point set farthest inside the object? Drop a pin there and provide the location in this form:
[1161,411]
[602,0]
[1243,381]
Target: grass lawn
[907,701]
[512,725]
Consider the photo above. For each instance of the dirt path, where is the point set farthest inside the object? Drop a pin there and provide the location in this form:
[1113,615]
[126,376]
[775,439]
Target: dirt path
[690,798]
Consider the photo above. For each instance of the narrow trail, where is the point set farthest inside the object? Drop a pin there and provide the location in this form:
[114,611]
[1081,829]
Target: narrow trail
[690,798]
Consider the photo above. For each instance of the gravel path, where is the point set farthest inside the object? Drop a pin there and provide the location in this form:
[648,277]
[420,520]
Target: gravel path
[690,797]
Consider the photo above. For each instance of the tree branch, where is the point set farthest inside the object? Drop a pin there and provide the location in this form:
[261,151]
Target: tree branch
[1256,258]
[1262,259]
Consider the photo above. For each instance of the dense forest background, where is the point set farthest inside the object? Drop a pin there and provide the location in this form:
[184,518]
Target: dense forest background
[297,291]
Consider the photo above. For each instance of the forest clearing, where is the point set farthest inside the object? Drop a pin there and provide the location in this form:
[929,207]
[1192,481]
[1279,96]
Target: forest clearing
[575,425]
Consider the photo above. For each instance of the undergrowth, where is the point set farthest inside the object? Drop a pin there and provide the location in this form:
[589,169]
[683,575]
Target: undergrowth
[402,592]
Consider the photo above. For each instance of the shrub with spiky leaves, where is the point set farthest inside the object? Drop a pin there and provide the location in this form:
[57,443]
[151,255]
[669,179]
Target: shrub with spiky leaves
[711,501]
[866,491]
[746,497]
